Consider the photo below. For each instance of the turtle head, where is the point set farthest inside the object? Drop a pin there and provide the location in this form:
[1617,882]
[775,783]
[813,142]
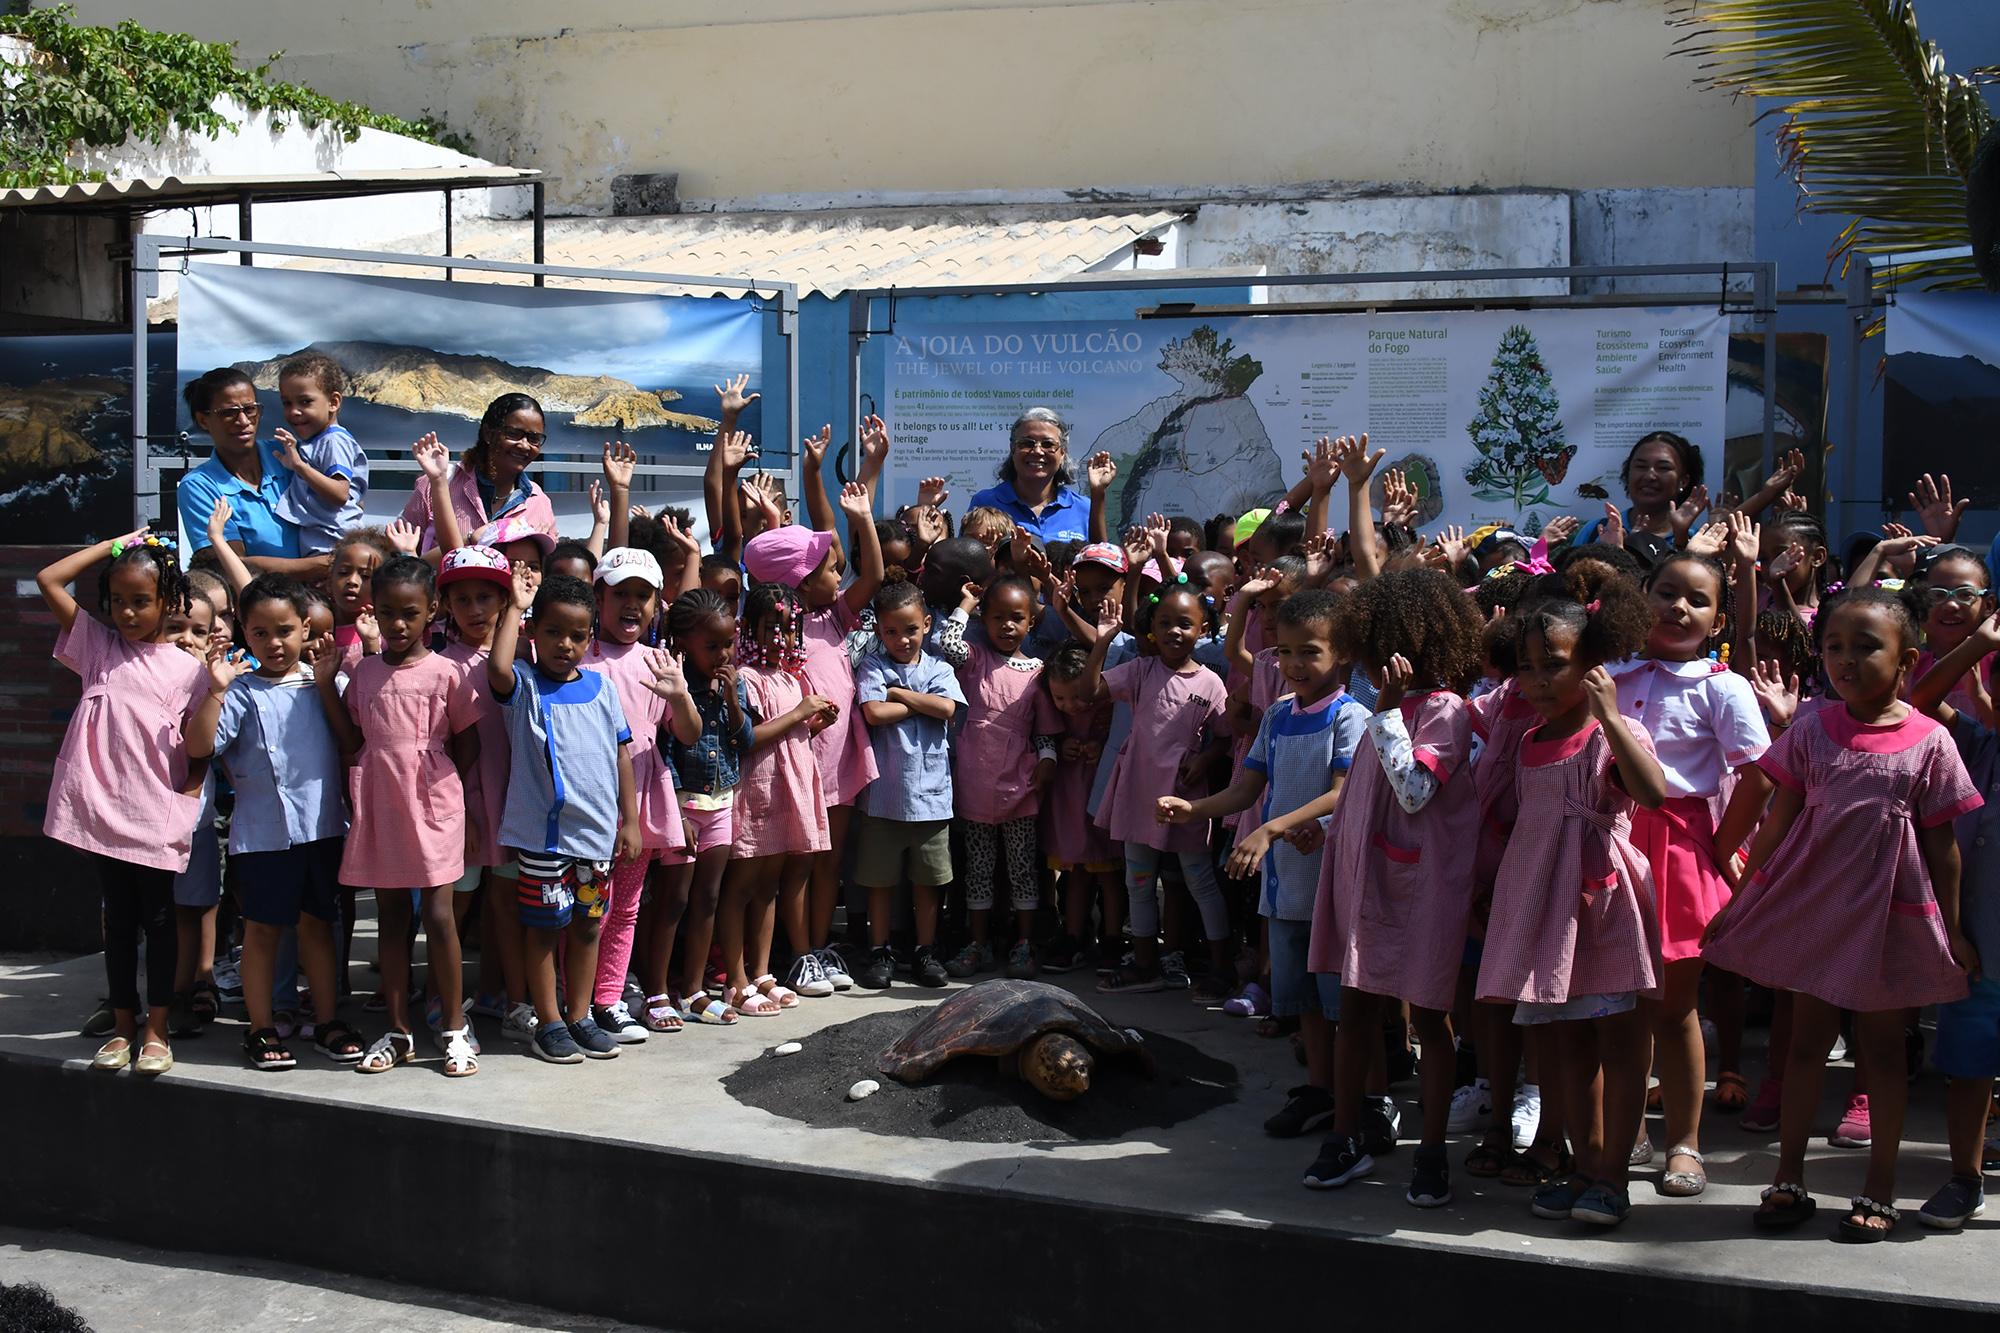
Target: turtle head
[1058,1066]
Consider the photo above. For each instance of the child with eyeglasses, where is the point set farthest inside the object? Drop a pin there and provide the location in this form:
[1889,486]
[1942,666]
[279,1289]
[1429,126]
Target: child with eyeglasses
[1955,591]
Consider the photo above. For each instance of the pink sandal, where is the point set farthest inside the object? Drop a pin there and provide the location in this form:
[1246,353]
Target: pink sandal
[767,985]
[750,1003]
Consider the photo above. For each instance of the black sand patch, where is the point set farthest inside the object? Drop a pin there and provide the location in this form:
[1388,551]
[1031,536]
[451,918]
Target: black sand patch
[968,1100]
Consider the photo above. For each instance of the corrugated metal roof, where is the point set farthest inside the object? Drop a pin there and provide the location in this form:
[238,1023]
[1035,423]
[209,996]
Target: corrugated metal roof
[825,252]
[188,191]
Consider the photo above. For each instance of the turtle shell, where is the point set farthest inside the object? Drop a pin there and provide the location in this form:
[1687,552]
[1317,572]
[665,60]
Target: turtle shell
[996,1017]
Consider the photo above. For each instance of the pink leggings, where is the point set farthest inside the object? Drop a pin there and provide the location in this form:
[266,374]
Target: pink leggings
[621,919]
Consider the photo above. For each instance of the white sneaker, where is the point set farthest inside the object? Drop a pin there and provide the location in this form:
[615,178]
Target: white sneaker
[1527,1114]
[1839,1051]
[808,978]
[520,1023]
[1471,1107]
[834,968]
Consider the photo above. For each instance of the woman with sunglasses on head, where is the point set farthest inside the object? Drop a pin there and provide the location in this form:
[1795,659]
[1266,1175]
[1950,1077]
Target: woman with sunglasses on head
[246,471]
[490,481]
[1035,480]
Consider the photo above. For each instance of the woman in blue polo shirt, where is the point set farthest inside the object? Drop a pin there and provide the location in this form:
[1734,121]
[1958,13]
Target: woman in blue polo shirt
[1035,479]
[244,469]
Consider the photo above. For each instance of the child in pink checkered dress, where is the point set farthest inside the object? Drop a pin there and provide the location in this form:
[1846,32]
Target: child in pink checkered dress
[1849,895]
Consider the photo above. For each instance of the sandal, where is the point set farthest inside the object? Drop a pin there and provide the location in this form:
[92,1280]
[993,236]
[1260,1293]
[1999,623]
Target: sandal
[1683,1184]
[205,1001]
[1868,1211]
[704,1008]
[1525,1170]
[1271,1026]
[1788,1216]
[265,1049]
[751,1003]
[460,1059]
[1732,1093]
[1488,1160]
[767,985]
[390,1049]
[661,1014]
[338,1042]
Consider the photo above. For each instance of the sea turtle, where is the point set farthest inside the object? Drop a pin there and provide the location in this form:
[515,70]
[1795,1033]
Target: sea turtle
[1039,1031]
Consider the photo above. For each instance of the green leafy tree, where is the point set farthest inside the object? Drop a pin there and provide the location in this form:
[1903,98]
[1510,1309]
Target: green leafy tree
[1519,431]
[87,87]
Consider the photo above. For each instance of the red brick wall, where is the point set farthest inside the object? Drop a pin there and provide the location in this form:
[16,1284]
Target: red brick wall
[37,693]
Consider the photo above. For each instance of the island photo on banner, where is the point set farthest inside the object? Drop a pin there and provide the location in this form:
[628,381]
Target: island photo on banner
[1495,416]
[1941,403]
[424,356]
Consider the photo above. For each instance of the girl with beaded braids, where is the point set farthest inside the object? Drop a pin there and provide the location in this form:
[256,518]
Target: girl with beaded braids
[1573,935]
[780,809]
[1705,723]
[120,789]
[1394,900]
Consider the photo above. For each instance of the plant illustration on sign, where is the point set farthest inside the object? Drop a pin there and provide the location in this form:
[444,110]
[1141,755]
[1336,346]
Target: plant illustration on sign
[1518,432]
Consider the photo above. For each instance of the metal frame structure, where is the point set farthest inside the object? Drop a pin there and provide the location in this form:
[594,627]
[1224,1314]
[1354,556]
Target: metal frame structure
[148,249]
[1762,305]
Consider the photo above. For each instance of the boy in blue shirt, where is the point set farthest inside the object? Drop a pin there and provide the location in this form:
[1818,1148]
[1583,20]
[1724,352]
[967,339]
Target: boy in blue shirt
[329,469]
[572,804]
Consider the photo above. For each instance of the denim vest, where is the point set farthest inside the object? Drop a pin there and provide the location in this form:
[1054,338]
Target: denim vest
[710,766]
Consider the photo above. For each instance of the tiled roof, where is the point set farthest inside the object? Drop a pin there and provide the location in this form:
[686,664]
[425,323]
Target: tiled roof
[153,192]
[825,252]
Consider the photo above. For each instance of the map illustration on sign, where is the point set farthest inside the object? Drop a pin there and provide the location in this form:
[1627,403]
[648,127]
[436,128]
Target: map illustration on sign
[1200,450]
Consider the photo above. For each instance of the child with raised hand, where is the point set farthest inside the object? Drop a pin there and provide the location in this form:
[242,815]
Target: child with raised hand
[406,727]
[1798,571]
[1850,890]
[1293,775]
[701,629]
[329,468]
[910,699]
[1078,850]
[1955,591]
[1573,933]
[654,695]
[811,563]
[1176,706]
[1395,893]
[1705,724]
[780,811]
[1968,1030]
[120,788]
[285,837]
[1254,675]
[477,585]
[349,586]
[572,806]
[1005,758]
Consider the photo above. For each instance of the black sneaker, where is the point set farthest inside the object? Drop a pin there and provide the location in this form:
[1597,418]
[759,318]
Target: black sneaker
[1339,1161]
[1430,1183]
[593,1040]
[1381,1125]
[876,973]
[1962,1197]
[1305,1106]
[101,1023]
[1062,955]
[929,971]
[902,956]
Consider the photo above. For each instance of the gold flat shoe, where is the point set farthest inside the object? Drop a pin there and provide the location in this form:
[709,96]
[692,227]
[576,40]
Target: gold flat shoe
[111,1061]
[154,1064]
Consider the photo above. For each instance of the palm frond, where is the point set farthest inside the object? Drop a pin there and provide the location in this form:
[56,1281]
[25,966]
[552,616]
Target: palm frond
[1874,128]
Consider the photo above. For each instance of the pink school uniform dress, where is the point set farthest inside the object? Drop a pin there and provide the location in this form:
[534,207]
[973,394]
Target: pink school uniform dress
[845,757]
[1170,712]
[1704,722]
[1959,699]
[486,784]
[1844,909]
[116,785]
[1395,889]
[993,760]
[1501,719]
[408,830]
[1266,684]
[1573,911]
[780,809]
[1068,835]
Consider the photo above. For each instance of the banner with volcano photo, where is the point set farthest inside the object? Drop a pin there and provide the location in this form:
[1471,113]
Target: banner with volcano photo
[424,356]
[1941,402]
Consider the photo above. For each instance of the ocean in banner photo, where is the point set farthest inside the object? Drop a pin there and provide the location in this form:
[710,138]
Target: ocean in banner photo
[428,356]
[1495,416]
[66,432]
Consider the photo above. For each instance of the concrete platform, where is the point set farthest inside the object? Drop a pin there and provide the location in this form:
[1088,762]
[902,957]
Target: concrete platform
[517,1183]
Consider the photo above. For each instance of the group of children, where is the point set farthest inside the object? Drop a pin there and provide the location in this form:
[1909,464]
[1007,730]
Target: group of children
[1525,808]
